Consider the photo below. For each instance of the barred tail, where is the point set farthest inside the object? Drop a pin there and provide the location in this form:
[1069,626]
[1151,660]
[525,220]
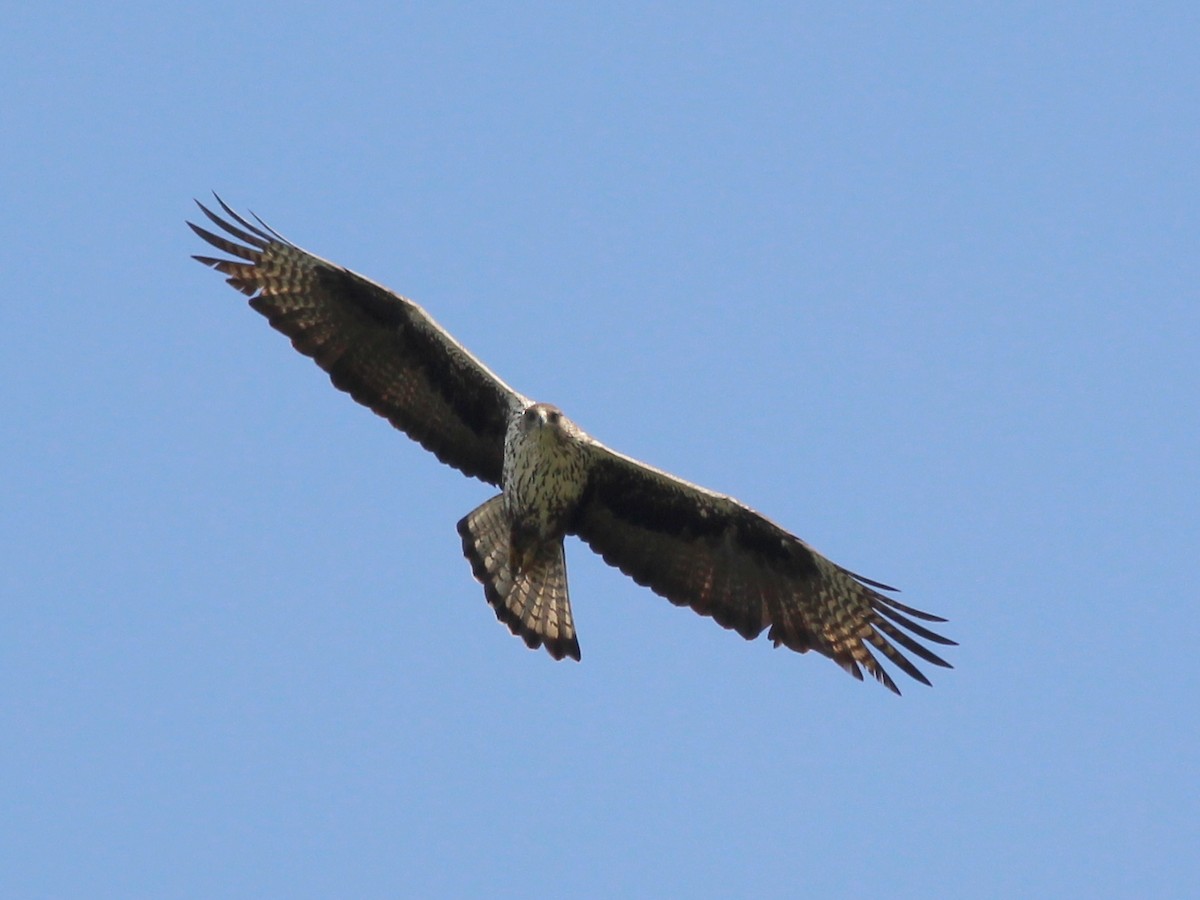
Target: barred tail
[533,602]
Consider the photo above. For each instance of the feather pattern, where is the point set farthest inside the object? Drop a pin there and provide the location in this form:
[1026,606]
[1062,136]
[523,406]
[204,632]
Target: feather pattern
[381,348]
[722,559]
[534,602]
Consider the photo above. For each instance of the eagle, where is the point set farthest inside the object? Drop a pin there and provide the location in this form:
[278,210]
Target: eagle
[695,547]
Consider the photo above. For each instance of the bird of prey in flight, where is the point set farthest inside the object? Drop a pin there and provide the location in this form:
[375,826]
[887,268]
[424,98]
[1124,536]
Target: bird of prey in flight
[693,546]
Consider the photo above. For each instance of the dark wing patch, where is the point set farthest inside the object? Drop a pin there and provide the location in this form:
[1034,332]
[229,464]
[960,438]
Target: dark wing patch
[722,559]
[381,348]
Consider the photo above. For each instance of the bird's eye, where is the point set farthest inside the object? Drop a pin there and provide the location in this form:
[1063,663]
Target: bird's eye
[555,415]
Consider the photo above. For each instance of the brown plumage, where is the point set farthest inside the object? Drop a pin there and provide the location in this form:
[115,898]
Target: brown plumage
[695,547]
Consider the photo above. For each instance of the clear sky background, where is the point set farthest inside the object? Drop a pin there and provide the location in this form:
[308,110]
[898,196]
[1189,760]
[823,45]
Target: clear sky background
[918,281]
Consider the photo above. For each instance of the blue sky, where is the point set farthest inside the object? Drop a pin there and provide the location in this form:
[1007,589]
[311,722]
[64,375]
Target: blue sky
[917,282]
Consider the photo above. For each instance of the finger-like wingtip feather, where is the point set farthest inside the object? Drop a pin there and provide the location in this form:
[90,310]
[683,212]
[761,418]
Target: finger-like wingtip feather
[226,246]
[875,584]
[254,239]
[268,235]
[895,604]
[919,630]
[274,234]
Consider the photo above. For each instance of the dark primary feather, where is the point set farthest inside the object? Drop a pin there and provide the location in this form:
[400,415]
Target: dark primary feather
[381,348]
[722,559]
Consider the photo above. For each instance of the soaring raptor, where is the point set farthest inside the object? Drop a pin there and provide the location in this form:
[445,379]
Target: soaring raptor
[695,547]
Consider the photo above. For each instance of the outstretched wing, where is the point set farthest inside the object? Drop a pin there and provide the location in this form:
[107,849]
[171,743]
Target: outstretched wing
[382,349]
[701,549]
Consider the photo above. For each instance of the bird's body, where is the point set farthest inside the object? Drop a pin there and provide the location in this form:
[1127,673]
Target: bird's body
[514,541]
[691,545]
[545,472]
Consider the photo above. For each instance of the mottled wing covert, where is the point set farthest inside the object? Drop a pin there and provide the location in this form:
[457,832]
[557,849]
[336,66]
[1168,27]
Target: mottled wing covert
[381,348]
[711,553]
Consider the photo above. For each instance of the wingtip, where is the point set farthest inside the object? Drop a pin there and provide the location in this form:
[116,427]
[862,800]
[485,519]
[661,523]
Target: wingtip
[203,208]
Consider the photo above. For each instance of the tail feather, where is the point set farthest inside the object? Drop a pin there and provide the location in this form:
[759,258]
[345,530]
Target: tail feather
[533,602]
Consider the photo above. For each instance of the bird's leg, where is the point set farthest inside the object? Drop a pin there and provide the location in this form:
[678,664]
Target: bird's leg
[523,546]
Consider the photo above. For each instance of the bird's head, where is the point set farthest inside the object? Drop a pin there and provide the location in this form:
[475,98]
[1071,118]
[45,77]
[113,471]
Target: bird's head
[546,419]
